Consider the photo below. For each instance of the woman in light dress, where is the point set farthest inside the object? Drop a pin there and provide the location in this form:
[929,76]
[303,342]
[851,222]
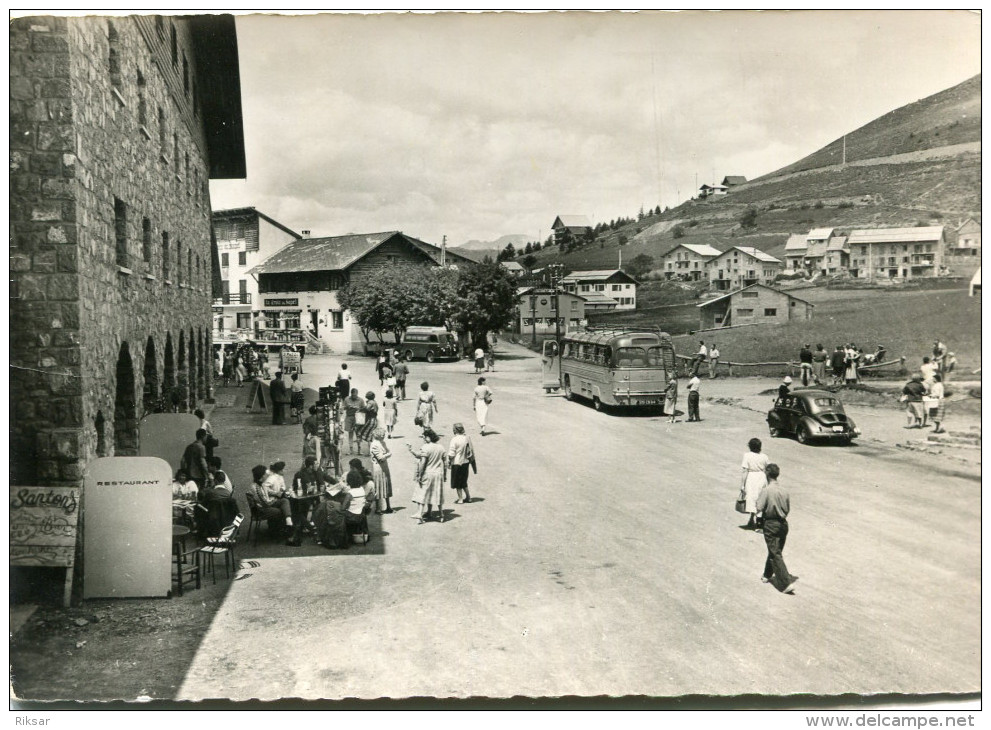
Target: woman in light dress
[938,411]
[431,473]
[671,398]
[460,456]
[371,411]
[480,402]
[380,471]
[754,479]
[426,406]
[390,411]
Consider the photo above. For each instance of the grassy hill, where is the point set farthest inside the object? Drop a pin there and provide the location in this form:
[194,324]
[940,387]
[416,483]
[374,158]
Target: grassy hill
[950,117]
[931,175]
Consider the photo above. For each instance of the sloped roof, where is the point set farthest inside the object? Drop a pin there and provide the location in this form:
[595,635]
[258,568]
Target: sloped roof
[762,286]
[598,298]
[572,221]
[837,243]
[249,211]
[796,242]
[820,233]
[702,249]
[755,252]
[337,253]
[734,180]
[896,235]
[512,265]
[595,275]
[706,186]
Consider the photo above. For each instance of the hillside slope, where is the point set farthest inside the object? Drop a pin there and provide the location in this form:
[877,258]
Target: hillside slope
[917,165]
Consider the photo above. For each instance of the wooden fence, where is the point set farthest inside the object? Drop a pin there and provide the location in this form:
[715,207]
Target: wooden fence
[792,367]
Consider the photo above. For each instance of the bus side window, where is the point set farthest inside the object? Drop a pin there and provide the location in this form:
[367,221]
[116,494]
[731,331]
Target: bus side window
[607,355]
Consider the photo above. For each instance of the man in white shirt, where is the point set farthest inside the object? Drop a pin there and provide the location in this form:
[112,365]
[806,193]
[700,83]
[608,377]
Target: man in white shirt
[713,361]
[693,398]
[700,357]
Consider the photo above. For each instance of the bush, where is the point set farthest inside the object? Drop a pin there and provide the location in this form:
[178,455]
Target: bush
[692,223]
[818,205]
[936,215]
[749,218]
[622,239]
[677,232]
[845,204]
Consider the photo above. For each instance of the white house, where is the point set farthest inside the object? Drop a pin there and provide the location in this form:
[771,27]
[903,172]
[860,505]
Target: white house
[613,283]
[688,261]
[896,253]
[742,266]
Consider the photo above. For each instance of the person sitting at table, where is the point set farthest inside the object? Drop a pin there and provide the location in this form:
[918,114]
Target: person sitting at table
[184,495]
[218,500]
[329,516]
[309,481]
[271,497]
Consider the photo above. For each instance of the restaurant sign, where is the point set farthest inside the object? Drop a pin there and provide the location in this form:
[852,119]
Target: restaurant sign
[282,302]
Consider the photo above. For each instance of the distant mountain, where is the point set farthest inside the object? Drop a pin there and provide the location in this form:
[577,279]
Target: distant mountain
[478,250]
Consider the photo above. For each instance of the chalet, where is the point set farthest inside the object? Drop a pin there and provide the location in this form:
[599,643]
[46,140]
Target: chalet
[515,268]
[754,304]
[537,309]
[575,226]
[968,237]
[896,253]
[742,266]
[615,284]
[795,248]
[298,285]
[732,180]
[709,191]
[245,238]
[837,256]
[687,261]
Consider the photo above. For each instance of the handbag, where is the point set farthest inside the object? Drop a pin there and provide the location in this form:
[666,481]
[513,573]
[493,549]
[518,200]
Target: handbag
[741,502]
[488,400]
[359,418]
[390,381]
[417,421]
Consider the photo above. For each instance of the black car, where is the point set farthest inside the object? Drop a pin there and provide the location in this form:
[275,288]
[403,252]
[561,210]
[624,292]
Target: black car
[811,414]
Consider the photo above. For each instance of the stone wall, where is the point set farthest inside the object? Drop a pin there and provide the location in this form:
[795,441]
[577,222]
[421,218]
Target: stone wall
[96,181]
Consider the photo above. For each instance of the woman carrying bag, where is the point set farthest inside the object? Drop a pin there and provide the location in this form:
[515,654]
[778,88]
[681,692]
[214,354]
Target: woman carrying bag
[460,456]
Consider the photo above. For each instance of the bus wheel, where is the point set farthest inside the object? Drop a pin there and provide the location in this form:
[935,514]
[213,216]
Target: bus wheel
[597,404]
[430,356]
[568,393]
[409,356]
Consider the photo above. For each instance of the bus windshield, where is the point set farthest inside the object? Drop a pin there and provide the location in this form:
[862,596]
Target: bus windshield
[630,357]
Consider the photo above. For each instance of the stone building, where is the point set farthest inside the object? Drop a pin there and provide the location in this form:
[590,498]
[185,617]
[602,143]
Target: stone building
[755,304]
[537,309]
[688,261]
[615,284]
[116,126]
[741,266]
[896,253]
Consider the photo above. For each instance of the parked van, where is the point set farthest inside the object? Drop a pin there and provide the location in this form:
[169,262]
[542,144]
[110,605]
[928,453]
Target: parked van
[428,343]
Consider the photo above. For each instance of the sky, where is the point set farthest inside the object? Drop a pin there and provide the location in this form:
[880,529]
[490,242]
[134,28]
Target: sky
[476,125]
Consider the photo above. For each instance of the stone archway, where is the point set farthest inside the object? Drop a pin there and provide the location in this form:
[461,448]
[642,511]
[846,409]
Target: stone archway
[125,406]
[193,371]
[151,384]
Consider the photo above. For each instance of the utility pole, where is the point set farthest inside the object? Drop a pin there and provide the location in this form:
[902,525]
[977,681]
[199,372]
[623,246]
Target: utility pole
[555,278]
[443,251]
[533,314]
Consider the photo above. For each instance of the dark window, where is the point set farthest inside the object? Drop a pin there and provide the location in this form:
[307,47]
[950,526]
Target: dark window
[242,287]
[142,103]
[770,312]
[146,239]
[225,260]
[120,231]
[338,320]
[114,57]
[242,258]
[166,264]
[162,132]
[199,273]
[178,262]
[175,150]
[185,75]
[189,265]
[175,48]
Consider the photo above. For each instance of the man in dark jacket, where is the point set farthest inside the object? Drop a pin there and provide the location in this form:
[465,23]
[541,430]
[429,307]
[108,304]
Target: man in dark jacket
[805,360]
[837,362]
[194,462]
[280,399]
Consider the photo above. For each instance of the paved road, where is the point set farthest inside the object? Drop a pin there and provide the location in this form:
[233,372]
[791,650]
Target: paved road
[604,558]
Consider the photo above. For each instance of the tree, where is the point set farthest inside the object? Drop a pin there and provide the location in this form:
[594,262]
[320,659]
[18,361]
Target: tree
[390,299]
[677,232]
[536,246]
[528,261]
[657,210]
[508,253]
[528,248]
[639,265]
[749,217]
[486,301]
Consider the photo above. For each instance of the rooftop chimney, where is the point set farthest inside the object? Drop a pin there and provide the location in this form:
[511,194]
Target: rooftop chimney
[306,233]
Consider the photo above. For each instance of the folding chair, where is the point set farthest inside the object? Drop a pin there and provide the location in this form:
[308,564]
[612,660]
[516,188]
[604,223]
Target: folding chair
[222,545]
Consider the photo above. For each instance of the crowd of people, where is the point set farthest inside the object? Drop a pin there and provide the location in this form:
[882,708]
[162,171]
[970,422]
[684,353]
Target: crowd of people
[924,395]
